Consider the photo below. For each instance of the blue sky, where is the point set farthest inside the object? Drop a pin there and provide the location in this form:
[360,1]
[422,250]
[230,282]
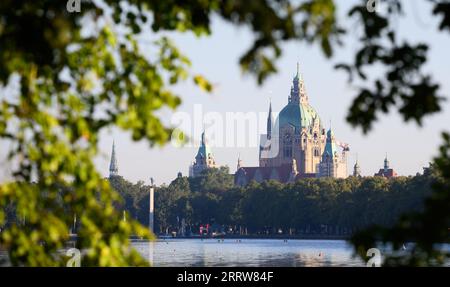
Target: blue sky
[408,146]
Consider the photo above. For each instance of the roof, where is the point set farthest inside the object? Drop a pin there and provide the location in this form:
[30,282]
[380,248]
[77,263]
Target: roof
[388,173]
[297,114]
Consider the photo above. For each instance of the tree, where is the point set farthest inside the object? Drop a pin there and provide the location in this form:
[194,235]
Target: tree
[74,82]
[213,179]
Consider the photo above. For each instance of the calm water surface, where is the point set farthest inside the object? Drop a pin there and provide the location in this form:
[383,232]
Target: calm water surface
[248,252]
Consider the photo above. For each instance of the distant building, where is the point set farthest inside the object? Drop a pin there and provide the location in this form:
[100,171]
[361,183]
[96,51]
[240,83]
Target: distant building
[356,170]
[113,166]
[297,146]
[203,160]
[333,163]
[386,171]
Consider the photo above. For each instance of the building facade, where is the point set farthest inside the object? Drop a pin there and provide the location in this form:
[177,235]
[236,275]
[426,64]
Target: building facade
[296,143]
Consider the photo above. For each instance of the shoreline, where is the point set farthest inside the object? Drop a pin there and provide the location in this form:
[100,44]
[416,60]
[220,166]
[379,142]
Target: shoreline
[74,237]
[281,237]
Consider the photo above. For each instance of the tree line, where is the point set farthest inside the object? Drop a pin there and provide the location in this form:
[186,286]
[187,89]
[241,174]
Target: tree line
[313,206]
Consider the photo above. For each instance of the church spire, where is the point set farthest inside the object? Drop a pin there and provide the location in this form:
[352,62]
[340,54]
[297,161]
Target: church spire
[269,121]
[113,166]
[386,163]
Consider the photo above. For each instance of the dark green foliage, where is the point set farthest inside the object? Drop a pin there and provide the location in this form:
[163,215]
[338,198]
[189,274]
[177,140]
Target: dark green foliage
[310,206]
[426,228]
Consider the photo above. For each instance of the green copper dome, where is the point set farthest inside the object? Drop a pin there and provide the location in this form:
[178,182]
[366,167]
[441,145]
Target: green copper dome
[297,114]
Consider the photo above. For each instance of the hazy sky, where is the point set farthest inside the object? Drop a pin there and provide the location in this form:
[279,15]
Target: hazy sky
[409,147]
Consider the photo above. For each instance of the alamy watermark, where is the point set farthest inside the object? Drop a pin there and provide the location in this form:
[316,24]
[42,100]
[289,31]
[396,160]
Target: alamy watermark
[375,257]
[376,6]
[73,6]
[225,129]
[74,255]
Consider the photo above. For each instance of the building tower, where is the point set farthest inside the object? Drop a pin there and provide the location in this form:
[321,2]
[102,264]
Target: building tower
[203,160]
[113,166]
[239,162]
[269,122]
[356,169]
[333,164]
[386,171]
[386,164]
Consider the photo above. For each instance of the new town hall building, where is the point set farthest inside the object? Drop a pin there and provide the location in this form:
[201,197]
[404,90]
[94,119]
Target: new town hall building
[296,145]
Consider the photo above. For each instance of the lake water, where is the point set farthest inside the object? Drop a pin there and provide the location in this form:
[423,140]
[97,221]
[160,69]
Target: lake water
[248,252]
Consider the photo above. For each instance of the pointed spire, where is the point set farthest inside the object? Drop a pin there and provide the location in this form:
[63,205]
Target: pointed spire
[298,93]
[203,140]
[113,166]
[356,168]
[269,121]
[239,163]
[386,163]
[204,158]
